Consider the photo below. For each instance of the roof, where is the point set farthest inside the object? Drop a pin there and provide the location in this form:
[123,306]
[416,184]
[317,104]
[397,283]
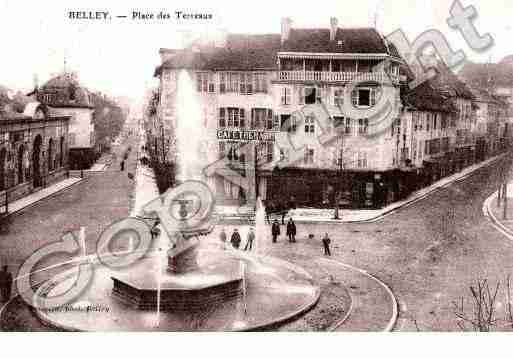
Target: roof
[259,51]
[489,74]
[447,82]
[481,95]
[347,40]
[64,91]
[426,98]
[241,52]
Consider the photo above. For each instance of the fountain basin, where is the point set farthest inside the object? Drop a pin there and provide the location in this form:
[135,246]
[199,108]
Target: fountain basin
[180,292]
[275,291]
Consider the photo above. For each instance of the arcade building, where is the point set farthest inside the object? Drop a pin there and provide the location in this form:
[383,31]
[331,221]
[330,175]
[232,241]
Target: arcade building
[33,150]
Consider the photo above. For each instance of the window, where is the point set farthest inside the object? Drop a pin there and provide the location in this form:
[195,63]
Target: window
[222,118]
[361,159]
[288,123]
[309,124]
[222,149]
[270,151]
[364,97]
[260,118]
[211,84]
[309,156]
[338,97]
[363,126]
[234,82]
[202,81]
[222,82]
[232,117]
[348,126]
[246,84]
[260,80]
[338,122]
[285,96]
[310,95]
[283,154]
[269,120]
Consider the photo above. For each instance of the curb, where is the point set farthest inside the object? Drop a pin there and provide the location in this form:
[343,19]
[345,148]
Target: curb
[391,210]
[51,195]
[488,213]
[395,311]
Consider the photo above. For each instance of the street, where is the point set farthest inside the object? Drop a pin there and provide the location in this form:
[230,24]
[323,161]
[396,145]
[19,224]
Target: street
[410,250]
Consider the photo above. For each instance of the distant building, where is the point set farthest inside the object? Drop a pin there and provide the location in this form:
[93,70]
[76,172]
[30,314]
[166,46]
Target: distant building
[65,97]
[497,80]
[33,150]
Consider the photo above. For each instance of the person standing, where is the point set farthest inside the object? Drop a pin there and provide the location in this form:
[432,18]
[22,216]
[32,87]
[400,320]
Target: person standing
[326,243]
[275,230]
[291,230]
[5,284]
[122,165]
[235,240]
[223,238]
[251,238]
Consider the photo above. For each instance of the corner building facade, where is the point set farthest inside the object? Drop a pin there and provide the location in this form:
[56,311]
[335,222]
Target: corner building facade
[273,110]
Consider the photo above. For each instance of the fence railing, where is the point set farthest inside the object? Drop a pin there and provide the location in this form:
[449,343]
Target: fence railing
[330,76]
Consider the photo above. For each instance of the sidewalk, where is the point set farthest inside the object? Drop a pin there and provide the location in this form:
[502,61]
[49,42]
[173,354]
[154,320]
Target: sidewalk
[35,197]
[495,212]
[314,215]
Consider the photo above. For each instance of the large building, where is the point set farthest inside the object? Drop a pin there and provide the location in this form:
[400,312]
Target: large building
[287,91]
[65,97]
[300,103]
[33,150]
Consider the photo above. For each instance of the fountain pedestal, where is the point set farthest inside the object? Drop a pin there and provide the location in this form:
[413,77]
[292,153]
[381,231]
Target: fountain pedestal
[184,286]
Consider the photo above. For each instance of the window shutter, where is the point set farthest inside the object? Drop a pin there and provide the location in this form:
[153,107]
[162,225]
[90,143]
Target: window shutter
[354,97]
[276,123]
[222,120]
[242,118]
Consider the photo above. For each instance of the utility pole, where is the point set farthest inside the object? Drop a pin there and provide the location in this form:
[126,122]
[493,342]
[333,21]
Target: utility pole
[338,193]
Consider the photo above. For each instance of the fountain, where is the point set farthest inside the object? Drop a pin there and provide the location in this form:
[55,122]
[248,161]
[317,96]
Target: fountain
[200,288]
[260,227]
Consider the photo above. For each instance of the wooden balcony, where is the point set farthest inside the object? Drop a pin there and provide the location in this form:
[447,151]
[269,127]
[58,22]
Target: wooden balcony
[327,76]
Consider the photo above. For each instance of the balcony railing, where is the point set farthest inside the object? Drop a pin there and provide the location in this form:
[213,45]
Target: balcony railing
[335,76]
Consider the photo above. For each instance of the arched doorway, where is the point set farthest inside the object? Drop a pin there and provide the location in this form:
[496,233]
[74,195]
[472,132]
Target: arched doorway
[3,155]
[50,155]
[61,152]
[36,154]
[21,155]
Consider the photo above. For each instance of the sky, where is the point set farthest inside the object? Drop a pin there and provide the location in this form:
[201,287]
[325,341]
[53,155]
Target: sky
[118,57]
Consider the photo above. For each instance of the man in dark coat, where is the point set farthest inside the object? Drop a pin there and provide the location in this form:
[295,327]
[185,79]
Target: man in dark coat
[235,240]
[122,165]
[291,230]
[326,244]
[5,284]
[223,238]
[251,238]
[275,230]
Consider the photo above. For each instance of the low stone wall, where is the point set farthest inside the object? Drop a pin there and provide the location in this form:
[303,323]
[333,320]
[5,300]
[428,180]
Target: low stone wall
[26,188]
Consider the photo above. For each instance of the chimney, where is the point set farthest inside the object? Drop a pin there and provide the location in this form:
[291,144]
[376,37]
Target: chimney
[333,28]
[286,24]
[221,40]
